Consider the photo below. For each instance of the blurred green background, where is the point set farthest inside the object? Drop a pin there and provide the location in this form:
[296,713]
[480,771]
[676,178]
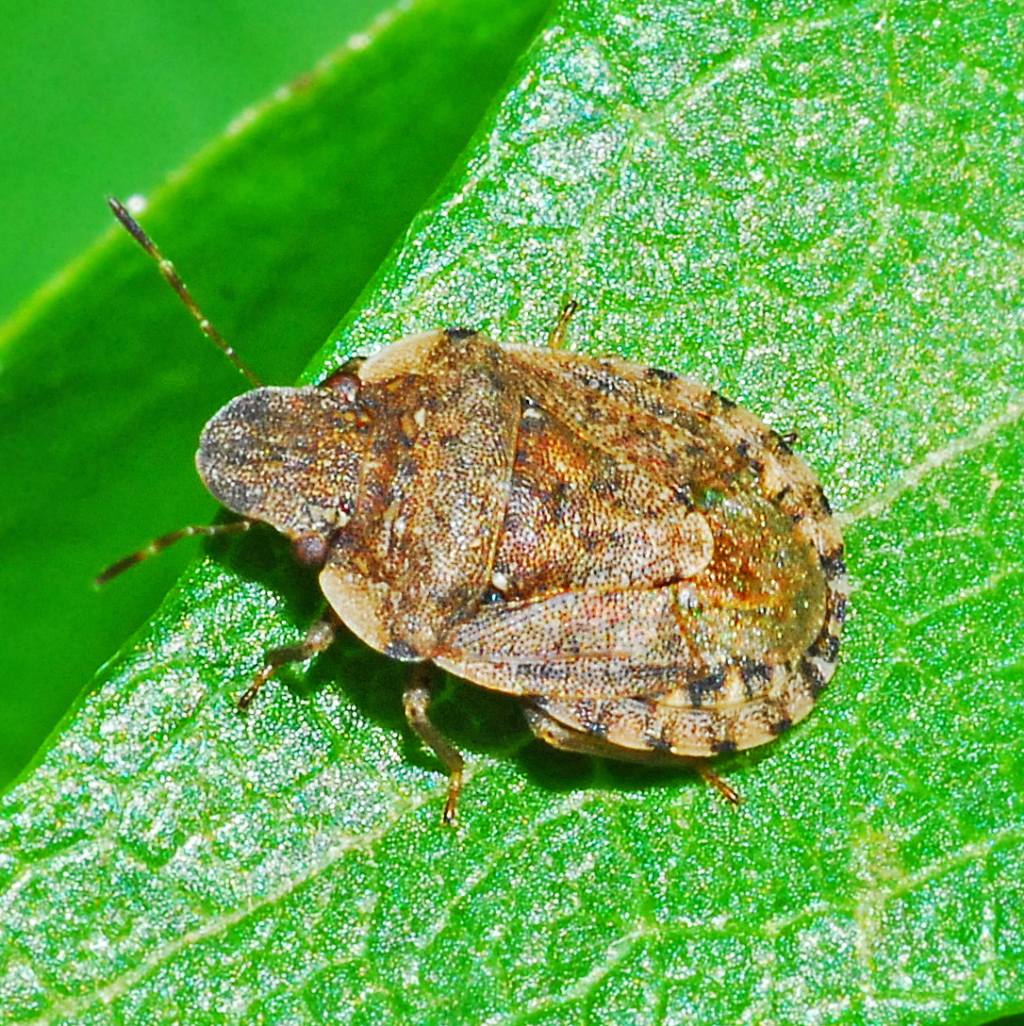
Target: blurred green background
[111,95]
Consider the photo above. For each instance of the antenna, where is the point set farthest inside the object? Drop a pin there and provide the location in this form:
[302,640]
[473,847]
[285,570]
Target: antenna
[171,277]
[166,540]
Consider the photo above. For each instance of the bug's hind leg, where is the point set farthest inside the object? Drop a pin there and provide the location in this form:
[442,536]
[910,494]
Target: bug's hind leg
[416,700]
[558,735]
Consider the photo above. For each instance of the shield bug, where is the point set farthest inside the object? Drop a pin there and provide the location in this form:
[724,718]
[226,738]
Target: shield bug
[647,566]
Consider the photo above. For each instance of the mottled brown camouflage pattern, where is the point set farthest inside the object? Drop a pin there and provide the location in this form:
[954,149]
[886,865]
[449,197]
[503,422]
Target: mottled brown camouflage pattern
[647,565]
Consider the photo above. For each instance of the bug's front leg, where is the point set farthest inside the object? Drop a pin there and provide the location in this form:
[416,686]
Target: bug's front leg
[416,700]
[318,638]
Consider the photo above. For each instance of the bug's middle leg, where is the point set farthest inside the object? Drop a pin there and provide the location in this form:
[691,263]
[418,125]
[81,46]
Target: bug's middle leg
[416,701]
[559,735]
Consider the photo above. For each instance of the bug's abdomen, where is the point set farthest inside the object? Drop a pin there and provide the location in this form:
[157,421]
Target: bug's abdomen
[655,594]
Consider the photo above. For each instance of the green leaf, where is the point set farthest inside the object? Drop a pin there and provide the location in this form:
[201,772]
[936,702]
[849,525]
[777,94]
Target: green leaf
[817,209]
[104,380]
[166,83]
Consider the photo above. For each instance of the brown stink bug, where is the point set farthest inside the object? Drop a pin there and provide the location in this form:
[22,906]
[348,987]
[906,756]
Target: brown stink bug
[647,566]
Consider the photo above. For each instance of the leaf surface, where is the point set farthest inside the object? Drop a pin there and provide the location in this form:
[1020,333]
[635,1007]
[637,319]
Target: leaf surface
[815,208]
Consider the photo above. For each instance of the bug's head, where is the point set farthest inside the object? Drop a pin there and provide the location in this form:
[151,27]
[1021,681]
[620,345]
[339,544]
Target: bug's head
[290,458]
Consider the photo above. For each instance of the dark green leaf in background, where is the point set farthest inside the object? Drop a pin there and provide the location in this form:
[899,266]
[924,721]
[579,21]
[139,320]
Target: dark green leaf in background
[817,209]
[104,96]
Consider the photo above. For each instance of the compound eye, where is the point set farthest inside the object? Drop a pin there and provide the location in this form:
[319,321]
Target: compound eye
[344,383]
[311,549]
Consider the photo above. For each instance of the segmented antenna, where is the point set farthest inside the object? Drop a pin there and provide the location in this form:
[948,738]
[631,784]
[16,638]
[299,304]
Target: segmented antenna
[165,540]
[171,277]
